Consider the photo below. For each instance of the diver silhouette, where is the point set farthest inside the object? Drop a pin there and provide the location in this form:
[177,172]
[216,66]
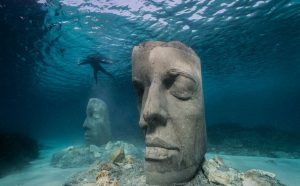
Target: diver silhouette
[95,60]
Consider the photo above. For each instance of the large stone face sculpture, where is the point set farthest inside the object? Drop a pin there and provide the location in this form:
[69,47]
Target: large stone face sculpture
[96,124]
[167,78]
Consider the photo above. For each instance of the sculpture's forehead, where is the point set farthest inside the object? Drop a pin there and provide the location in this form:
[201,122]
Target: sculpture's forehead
[168,57]
[162,59]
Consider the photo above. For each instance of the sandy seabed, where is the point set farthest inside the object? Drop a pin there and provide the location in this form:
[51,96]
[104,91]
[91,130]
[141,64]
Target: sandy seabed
[40,172]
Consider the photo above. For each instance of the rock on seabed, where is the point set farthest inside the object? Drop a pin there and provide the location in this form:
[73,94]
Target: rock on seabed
[217,172]
[118,165]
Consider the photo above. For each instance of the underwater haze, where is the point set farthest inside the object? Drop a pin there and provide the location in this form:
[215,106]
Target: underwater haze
[249,51]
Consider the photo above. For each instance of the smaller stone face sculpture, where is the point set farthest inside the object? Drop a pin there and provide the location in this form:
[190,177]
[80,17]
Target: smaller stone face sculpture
[96,125]
[167,78]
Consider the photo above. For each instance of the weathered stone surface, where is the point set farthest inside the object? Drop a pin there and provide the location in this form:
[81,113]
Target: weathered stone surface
[259,177]
[80,156]
[87,177]
[129,149]
[97,123]
[95,150]
[110,174]
[118,155]
[130,172]
[73,156]
[124,174]
[167,78]
[103,177]
[217,172]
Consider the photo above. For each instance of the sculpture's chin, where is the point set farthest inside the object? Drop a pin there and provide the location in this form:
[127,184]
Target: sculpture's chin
[89,140]
[170,177]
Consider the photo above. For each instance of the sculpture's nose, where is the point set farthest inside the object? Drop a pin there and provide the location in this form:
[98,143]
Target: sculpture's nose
[85,125]
[154,112]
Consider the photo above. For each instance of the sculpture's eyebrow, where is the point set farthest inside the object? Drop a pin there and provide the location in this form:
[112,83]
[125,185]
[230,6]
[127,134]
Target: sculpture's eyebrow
[174,72]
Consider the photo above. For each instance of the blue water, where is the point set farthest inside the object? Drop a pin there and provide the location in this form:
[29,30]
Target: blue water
[249,51]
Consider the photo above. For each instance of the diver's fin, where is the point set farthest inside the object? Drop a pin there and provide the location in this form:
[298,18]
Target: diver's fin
[106,61]
[83,62]
[107,73]
[95,75]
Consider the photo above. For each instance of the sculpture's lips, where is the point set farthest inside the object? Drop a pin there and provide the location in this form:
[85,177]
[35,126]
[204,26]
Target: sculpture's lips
[157,149]
[87,136]
[157,142]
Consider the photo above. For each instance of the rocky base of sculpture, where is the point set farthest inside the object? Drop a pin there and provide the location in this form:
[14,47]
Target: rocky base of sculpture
[217,172]
[125,169]
[80,156]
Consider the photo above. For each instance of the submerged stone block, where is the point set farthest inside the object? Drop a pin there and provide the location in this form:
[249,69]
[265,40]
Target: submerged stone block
[73,156]
[97,124]
[217,172]
[168,81]
[80,156]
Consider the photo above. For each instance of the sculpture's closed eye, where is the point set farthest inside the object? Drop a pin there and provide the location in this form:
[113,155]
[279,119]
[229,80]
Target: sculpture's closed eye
[180,86]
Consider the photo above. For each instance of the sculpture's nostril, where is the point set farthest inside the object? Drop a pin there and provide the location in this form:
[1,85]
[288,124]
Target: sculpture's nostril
[155,119]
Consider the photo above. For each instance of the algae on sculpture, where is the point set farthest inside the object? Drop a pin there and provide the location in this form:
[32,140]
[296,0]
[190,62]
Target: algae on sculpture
[96,124]
[167,78]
